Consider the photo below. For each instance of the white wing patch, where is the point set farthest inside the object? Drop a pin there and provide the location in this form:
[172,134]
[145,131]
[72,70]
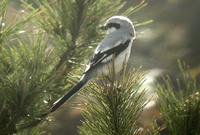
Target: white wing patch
[107,59]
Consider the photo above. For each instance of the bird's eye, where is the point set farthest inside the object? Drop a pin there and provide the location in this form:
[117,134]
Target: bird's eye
[110,25]
[115,25]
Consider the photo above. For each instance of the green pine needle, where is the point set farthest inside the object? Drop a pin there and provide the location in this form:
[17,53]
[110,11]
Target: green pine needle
[113,105]
[180,105]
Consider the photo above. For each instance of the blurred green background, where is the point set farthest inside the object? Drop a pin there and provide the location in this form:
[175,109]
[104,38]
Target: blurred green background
[173,35]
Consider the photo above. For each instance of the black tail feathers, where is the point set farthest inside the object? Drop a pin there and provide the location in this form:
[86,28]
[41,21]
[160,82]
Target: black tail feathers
[67,96]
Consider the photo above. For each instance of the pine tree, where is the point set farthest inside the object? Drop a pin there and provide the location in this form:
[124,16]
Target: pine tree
[40,53]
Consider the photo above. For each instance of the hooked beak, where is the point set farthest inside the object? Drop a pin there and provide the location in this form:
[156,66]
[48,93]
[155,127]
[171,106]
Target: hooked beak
[103,27]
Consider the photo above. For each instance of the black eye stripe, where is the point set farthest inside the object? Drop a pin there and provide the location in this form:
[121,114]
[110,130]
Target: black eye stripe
[115,25]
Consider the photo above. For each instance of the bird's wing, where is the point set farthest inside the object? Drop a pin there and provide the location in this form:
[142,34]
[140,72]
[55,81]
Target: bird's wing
[110,41]
[105,54]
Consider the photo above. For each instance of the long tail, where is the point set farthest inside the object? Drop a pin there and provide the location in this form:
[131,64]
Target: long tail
[67,96]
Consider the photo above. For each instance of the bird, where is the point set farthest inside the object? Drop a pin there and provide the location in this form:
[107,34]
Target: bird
[114,48]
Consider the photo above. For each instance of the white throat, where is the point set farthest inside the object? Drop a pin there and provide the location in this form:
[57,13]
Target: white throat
[110,30]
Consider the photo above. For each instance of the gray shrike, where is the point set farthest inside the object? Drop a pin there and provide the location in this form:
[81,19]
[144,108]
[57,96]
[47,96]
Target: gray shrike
[115,49]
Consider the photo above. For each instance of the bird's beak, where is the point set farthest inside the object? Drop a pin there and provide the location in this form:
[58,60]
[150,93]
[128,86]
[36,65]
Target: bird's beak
[103,27]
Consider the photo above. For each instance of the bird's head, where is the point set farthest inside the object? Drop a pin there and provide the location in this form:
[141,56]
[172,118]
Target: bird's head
[119,23]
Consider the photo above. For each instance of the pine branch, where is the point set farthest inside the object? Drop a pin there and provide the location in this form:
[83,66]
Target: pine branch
[113,105]
[180,105]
